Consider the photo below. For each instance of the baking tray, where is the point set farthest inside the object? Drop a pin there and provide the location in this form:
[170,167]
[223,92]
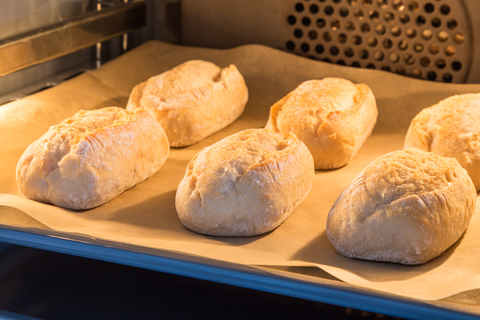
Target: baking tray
[256,62]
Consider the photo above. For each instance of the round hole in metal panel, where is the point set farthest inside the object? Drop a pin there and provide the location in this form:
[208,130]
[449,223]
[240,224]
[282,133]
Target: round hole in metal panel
[305,47]
[364,54]
[312,34]
[298,33]
[382,3]
[335,25]
[374,15]
[443,36]
[329,10]
[386,68]
[403,45]
[421,20]
[396,31]
[327,36]
[342,38]
[409,59]
[367,3]
[398,4]
[314,8]
[456,65]
[378,55]
[429,7]
[349,52]
[344,12]
[431,76]
[413,6]
[380,29]
[411,33]
[416,73]
[433,48]
[425,62]
[350,26]
[299,7]
[427,34]
[365,27]
[452,24]
[359,14]
[445,9]
[447,77]
[357,40]
[387,43]
[319,48]
[372,41]
[440,63]
[291,20]
[436,22]
[450,51]
[394,57]
[321,23]
[404,18]
[306,21]
[334,51]
[459,38]
[389,16]
[418,47]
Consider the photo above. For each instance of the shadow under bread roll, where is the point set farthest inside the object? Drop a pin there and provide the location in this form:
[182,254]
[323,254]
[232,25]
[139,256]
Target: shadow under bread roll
[332,116]
[192,100]
[92,157]
[244,185]
[407,206]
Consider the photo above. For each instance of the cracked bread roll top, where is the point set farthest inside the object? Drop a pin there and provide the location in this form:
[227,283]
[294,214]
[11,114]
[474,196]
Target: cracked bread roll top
[407,206]
[92,157]
[333,117]
[245,185]
[192,100]
[451,128]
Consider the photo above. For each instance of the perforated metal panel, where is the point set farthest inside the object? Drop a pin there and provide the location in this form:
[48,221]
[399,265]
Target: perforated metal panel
[437,40]
[422,38]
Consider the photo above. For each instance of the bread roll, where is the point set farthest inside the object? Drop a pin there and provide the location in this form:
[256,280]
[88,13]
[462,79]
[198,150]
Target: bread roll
[451,128]
[92,157]
[193,100]
[407,206]
[244,185]
[333,117]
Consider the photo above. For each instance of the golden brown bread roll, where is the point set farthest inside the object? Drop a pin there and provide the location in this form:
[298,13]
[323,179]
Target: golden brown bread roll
[92,157]
[407,206]
[451,128]
[244,185]
[192,100]
[333,117]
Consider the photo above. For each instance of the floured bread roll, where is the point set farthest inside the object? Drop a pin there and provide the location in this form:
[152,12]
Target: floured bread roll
[244,185]
[333,117]
[451,128]
[192,100]
[407,206]
[92,157]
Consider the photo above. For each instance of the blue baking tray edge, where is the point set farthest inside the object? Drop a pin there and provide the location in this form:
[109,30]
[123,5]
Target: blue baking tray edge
[225,272]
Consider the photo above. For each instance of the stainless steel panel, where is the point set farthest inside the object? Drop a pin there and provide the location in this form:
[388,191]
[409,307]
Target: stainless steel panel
[59,39]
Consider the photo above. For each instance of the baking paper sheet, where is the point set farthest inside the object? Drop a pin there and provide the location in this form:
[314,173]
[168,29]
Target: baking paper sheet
[145,215]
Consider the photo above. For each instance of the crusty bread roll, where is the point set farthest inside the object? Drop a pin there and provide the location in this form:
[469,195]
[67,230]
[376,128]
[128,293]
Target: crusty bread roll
[244,185]
[407,206]
[333,117]
[192,100]
[451,128]
[92,157]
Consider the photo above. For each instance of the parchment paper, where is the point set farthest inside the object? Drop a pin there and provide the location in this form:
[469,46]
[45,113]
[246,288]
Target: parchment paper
[145,215]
